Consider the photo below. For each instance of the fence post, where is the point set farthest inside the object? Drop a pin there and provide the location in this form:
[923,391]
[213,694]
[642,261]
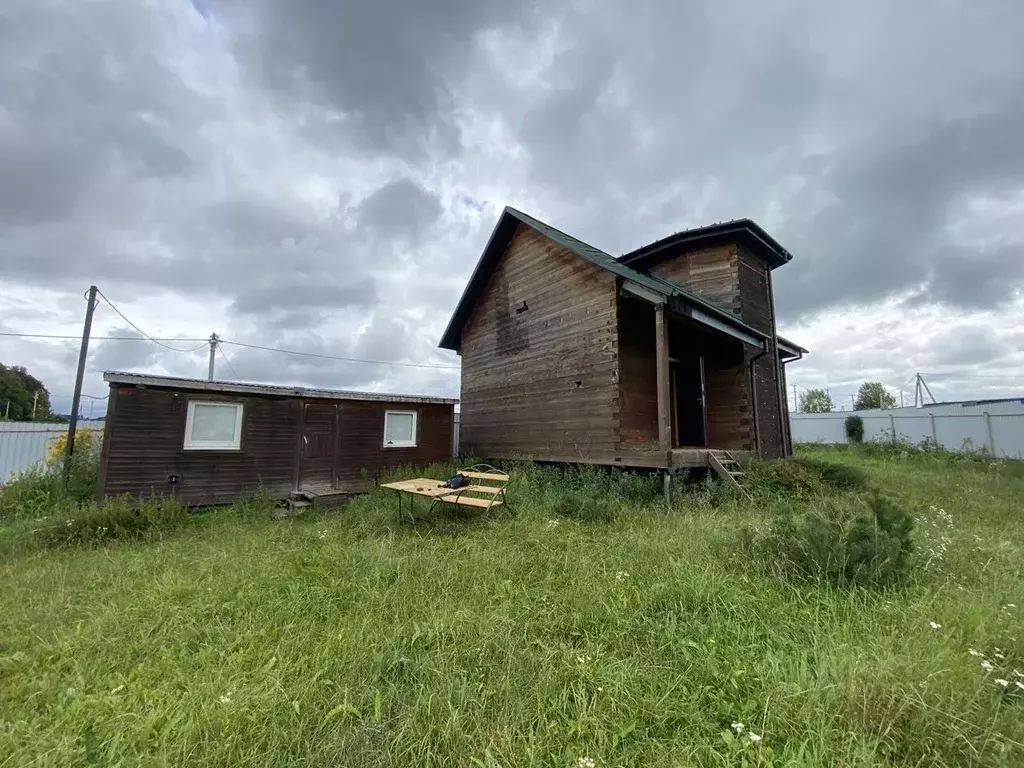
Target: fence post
[935,435]
[892,426]
[991,436]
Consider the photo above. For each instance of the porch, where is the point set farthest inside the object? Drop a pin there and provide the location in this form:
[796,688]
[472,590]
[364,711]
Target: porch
[689,390]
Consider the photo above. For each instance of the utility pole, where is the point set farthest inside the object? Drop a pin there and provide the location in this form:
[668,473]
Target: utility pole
[924,385]
[796,402]
[213,355]
[853,403]
[35,399]
[901,398]
[76,400]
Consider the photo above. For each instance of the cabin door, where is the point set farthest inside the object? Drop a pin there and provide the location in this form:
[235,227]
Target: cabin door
[319,450]
[689,414]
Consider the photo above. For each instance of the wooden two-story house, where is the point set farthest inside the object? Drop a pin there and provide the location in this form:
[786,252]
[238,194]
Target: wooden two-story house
[654,359]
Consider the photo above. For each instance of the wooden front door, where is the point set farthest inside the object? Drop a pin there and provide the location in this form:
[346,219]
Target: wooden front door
[318,470]
[689,415]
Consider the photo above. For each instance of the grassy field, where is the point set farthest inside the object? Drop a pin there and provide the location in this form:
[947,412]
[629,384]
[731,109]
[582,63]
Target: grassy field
[231,639]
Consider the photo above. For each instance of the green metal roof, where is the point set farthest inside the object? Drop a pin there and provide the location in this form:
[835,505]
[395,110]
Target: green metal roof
[502,235]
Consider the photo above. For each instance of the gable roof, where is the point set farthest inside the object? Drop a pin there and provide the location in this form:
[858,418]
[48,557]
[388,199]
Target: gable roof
[743,230]
[502,236]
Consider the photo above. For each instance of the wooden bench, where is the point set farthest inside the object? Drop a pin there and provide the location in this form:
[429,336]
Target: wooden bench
[486,493]
[488,496]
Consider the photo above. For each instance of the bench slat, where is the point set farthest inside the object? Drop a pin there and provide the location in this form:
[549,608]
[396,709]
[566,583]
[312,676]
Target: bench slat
[469,501]
[492,489]
[484,475]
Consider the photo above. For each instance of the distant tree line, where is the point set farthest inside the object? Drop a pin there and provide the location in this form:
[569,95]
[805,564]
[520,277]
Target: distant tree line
[872,394]
[23,397]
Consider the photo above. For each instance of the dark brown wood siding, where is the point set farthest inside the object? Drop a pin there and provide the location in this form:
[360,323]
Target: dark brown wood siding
[145,432]
[713,272]
[727,390]
[758,312]
[362,455]
[540,356]
[638,383]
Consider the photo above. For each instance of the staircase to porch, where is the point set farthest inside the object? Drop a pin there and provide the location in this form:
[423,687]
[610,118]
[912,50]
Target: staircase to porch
[726,467]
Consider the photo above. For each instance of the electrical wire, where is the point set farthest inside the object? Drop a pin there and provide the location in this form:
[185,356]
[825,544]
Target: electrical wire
[341,359]
[225,356]
[146,335]
[94,338]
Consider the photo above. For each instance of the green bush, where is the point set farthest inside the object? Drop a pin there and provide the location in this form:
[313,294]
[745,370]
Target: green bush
[589,506]
[37,491]
[849,541]
[837,477]
[854,427]
[787,477]
[116,520]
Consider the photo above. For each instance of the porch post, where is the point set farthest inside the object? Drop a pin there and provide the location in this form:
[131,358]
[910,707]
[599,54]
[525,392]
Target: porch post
[661,357]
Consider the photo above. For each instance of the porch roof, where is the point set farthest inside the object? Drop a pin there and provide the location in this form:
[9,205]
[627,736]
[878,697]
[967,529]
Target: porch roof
[680,300]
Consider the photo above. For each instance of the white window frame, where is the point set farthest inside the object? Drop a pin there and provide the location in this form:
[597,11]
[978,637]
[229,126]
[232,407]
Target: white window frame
[210,445]
[403,444]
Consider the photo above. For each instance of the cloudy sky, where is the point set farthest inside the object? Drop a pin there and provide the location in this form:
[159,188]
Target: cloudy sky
[321,176]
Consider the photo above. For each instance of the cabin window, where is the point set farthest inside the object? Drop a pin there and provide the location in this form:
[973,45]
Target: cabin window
[213,426]
[400,429]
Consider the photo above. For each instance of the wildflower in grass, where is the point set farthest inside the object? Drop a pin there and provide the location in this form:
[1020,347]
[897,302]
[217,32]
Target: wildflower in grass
[934,625]
[323,534]
[987,665]
[586,762]
[1001,682]
[553,523]
[226,698]
[1000,656]
[117,690]
[1018,673]
[1009,606]
[582,660]
[975,652]
[737,727]
[621,576]
[754,738]
[1019,684]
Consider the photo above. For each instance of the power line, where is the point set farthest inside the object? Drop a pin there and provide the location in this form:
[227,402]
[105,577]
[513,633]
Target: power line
[94,338]
[133,325]
[341,359]
[225,356]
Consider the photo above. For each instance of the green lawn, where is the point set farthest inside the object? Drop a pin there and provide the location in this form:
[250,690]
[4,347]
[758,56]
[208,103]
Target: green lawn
[535,640]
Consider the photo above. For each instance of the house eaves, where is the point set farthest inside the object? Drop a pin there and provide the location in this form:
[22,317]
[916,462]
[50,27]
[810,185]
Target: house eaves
[741,230]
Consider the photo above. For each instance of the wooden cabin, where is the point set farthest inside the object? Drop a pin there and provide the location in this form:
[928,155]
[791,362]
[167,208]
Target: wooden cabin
[215,442]
[652,360]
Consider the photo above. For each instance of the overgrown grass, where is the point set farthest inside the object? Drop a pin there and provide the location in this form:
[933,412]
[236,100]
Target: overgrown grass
[528,640]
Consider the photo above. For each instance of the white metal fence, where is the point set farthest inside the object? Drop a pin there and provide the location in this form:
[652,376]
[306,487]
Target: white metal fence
[24,444]
[996,428]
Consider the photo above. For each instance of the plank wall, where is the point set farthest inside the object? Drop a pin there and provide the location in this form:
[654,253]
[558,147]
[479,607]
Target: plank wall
[758,313]
[713,272]
[540,357]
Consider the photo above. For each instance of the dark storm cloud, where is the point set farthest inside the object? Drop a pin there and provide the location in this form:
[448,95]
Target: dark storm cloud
[377,71]
[314,172]
[884,229]
[858,157]
[400,208]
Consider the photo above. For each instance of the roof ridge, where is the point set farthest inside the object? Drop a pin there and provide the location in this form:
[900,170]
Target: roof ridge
[537,223]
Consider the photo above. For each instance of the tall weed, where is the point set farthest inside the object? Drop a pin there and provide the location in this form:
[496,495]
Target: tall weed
[851,541]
